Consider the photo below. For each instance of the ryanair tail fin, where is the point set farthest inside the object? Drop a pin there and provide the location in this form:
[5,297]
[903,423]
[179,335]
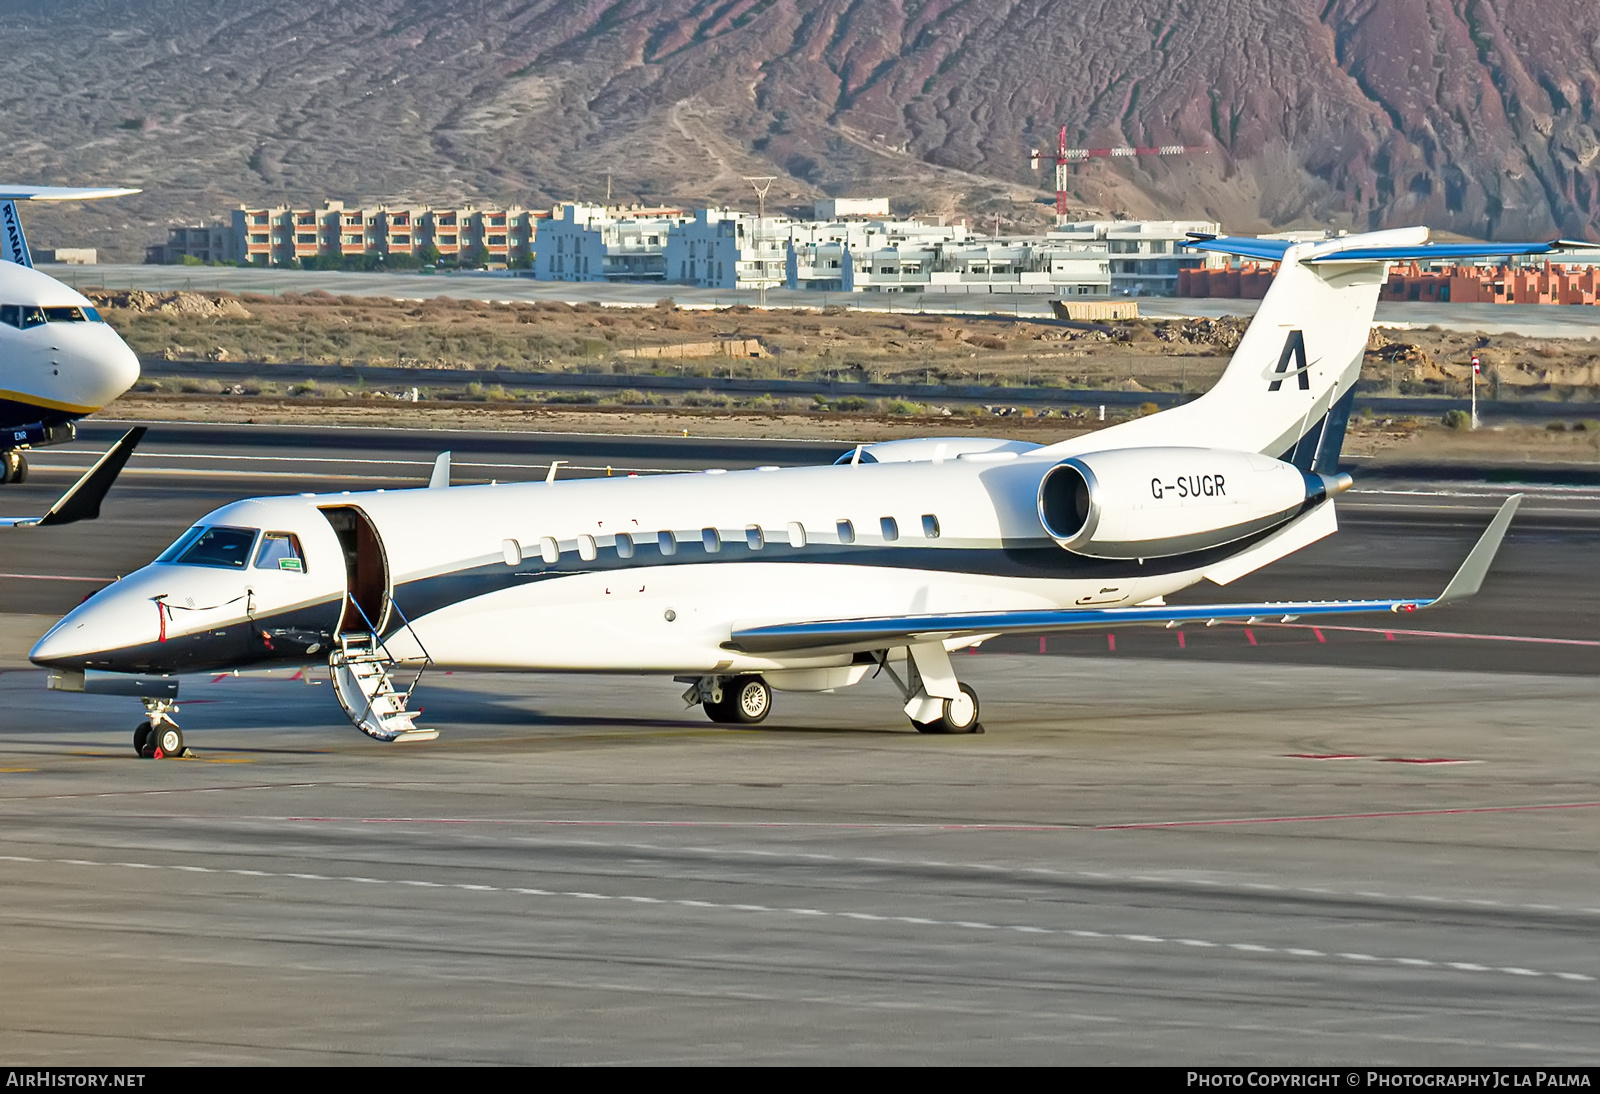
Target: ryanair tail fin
[13,243]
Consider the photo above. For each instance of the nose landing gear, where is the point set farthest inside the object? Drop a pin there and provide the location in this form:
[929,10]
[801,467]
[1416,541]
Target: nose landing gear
[159,738]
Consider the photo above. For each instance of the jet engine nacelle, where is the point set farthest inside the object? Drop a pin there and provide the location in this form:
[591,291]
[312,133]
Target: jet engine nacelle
[1159,502]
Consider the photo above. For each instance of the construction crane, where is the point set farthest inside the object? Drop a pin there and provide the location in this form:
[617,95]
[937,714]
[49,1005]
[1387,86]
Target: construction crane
[1067,156]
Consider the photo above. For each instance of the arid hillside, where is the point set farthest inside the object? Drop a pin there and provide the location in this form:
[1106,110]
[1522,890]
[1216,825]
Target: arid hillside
[1472,115]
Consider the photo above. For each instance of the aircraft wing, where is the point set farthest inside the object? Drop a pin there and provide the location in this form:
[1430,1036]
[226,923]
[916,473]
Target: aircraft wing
[82,502]
[882,631]
[61,193]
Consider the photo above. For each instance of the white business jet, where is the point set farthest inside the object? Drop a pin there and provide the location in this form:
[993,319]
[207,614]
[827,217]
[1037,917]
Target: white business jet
[59,361]
[800,579]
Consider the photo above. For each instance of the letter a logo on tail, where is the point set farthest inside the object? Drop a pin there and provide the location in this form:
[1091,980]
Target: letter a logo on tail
[1293,349]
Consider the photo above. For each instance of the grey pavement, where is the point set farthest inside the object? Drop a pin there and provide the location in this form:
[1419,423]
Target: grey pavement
[1173,864]
[1267,845]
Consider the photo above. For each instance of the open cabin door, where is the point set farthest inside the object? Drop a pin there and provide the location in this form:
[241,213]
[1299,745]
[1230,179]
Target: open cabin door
[366,569]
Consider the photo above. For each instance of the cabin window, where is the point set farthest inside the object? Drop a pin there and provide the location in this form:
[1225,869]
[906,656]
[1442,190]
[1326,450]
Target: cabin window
[281,551]
[225,547]
[667,542]
[754,537]
[797,534]
[510,551]
[624,545]
[711,540]
[930,526]
[847,532]
[549,550]
[891,530]
[587,549]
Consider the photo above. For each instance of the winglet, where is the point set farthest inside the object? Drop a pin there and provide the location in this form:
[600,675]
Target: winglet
[82,502]
[1469,578]
[441,472]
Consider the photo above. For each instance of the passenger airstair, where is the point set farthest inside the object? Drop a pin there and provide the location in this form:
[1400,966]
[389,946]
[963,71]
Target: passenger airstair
[363,679]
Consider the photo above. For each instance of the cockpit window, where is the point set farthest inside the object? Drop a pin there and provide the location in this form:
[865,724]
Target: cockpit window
[23,316]
[227,547]
[180,545]
[281,551]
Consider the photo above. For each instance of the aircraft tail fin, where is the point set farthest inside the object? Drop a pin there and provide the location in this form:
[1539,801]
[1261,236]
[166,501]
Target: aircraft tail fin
[1288,389]
[13,244]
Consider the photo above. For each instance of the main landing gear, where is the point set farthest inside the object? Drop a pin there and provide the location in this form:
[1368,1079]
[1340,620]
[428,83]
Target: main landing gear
[13,467]
[935,701]
[159,738]
[739,700]
[958,715]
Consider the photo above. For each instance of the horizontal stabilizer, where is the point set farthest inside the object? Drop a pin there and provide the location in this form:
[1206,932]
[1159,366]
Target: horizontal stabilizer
[886,631]
[1270,250]
[1438,251]
[1373,247]
[82,502]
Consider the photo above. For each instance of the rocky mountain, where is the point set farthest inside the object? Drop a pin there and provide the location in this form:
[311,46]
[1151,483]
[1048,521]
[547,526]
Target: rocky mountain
[1476,116]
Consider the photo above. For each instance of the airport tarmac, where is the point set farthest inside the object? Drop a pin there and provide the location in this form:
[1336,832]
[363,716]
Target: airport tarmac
[1266,846]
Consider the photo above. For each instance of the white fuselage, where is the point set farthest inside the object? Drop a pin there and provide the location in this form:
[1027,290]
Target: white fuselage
[646,575]
[58,360]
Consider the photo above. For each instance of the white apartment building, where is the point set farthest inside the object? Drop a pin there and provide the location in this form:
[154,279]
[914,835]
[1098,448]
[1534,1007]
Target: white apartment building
[841,208]
[1027,266]
[1144,254]
[819,251]
[583,242]
[723,249]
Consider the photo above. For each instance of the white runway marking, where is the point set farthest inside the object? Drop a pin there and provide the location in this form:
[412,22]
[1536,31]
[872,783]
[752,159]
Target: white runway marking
[959,924]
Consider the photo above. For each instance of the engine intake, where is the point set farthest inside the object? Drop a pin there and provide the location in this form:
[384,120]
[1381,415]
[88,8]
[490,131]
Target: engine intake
[1160,502]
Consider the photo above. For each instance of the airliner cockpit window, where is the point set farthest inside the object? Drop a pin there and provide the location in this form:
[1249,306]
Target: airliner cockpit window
[22,316]
[281,551]
[226,547]
[65,315]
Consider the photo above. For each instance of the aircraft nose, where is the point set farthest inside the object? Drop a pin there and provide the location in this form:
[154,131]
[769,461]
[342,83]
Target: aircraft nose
[117,367]
[89,635]
[98,364]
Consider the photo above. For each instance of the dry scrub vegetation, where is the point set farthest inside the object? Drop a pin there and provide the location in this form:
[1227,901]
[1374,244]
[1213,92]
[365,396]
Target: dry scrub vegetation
[911,348]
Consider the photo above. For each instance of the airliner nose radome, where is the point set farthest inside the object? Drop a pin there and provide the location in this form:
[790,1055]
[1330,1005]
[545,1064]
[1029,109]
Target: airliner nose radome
[121,367]
[104,365]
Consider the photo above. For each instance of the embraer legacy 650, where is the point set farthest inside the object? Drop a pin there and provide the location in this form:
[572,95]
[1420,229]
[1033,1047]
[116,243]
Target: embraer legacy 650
[800,579]
[59,361]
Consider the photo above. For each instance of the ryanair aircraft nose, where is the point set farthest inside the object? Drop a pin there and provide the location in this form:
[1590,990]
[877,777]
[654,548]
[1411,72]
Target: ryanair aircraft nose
[94,361]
